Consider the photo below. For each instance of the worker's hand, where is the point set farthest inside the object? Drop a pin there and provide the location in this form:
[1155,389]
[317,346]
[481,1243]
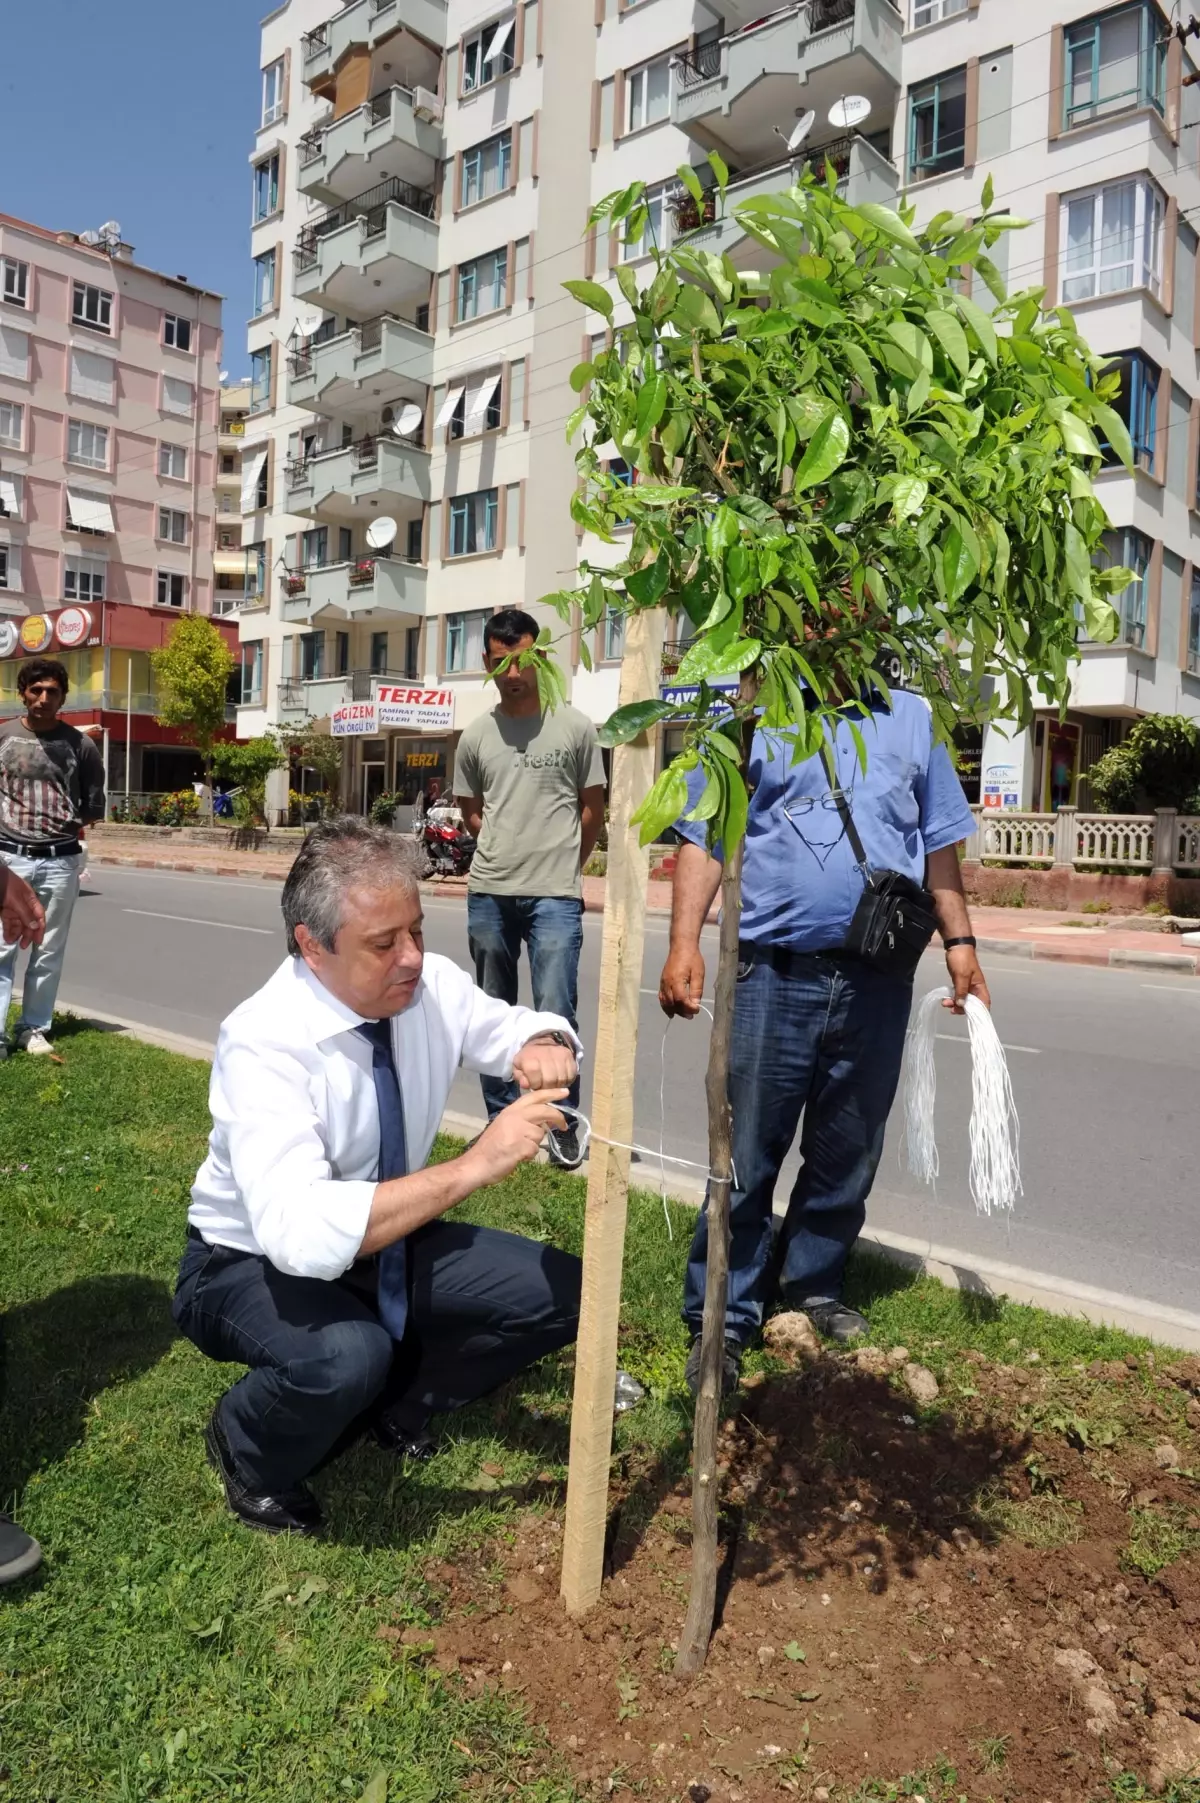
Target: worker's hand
[22,916]
[682,982]
[543,1064]
[967,978]
[514,1137]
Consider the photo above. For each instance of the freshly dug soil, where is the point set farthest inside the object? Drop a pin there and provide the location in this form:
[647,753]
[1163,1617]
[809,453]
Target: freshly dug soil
[892,1596]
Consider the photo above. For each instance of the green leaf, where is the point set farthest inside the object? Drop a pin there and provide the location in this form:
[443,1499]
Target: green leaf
[703,659]
[951,337]
[377,1787]
[912,342]
[691,182]
[908,496]
[888,223]
[826,450]
[710,799]
[719,169]
[1115,430]
[980,325]
[649,584]
[1101,620]
[635,718]
[592,295]
[627,282]
[722,532]
[988,195]
[1078,438]
[737,812]
[695,312]
[918,393]
[741,571]
[651,404]
[581,375]
[663,805]
[959,566]
[1078,563]
[795,1652]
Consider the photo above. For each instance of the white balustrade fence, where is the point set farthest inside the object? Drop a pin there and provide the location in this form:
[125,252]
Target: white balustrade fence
[1162,841]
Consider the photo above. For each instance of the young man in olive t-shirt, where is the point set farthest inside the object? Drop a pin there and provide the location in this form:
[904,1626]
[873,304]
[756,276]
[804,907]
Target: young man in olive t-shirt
[531,788]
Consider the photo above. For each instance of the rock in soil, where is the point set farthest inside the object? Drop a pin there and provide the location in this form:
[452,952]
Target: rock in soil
[792,1336]
[1176,1742]
[921,1384]
[1166,1456]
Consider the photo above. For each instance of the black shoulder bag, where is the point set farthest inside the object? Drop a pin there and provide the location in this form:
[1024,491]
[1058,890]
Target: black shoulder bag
[895,919]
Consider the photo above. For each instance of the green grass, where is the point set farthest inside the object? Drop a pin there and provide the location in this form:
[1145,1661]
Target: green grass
[167,1653]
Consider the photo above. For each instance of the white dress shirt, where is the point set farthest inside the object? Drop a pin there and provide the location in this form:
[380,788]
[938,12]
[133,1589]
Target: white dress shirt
[294,1149]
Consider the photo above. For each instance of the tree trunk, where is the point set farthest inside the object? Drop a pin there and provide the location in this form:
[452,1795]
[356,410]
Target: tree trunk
[702,1600]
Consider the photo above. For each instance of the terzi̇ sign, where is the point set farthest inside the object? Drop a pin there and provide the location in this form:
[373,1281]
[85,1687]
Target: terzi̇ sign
[414,707]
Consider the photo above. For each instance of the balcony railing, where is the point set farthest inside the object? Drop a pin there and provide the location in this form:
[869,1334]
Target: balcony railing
[314,41]
[704,63]
[368,333]
[291,692]
[371,207]
[364,455]
[359,570]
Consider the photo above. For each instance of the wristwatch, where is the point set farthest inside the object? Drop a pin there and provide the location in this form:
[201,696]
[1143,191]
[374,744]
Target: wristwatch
[963,939]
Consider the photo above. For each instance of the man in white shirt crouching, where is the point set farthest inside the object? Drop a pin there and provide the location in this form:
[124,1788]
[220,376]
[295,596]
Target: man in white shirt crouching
[318,1253]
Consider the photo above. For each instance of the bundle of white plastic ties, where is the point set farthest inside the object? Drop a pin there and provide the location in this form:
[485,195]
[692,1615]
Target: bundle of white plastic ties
[994,1133]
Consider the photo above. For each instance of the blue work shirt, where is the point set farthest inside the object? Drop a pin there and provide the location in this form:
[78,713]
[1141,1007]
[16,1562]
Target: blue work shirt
[800,881]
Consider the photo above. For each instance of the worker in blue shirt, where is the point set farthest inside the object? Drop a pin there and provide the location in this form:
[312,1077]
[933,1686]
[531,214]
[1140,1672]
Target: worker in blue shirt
[816,1031]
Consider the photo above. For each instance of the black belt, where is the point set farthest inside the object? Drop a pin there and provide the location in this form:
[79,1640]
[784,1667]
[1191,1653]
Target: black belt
[47,848]
[787,962]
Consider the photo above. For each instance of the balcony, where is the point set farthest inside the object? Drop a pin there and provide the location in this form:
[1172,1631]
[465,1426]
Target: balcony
[733,93]
[376,363]
[365,588]
[364,24]
[863,172]
[341,157]
[348,482]
[385,238]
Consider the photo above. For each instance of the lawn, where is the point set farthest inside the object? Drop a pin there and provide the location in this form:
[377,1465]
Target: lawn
[166,1652]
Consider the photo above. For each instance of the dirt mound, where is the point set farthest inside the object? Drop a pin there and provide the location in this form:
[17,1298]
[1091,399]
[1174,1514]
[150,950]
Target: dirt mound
[898,1590]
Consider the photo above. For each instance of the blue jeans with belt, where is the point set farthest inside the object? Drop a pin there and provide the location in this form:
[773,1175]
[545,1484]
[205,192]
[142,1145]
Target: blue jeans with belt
[822,1037]
[552,927]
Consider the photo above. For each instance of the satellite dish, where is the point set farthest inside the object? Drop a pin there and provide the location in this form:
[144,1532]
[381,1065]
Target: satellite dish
[224,376]
[381,532]
[92,238]
[849,111]
[308,323]
[408,422]
[801,129]
[111,228]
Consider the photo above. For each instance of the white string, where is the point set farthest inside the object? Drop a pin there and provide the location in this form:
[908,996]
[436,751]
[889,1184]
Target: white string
[995,1175]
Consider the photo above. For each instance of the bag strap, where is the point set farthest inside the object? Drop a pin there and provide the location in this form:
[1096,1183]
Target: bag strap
[843,806]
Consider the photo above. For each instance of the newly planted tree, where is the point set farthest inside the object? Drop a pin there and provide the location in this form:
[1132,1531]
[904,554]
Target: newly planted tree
[192,672]
[843,457]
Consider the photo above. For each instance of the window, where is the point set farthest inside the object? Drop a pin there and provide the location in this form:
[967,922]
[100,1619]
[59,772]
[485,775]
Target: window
[87,444]
[937,125]
[177,397]
[1193,645]
[412,652]
[83,579]
[172,462]
[92,307]
[464,641]
[314,548]
[264,282]
[648,94]
[1114,61]
[14,282]
[487,55]
[91,377]
[928,12]
[379,653]
[262,488]
[12,424]
[10,497]
[266,188]
[89,513]
[416,536]
[620,471]
[341,666]
[478,408]
[14,353]
[345,544]
[1131,549]
[614,634]
[177,333]
[312,656]
[170,590]
[272,92]
[1112,240]
[486,169]
[10,567]
[656,229]
[256,568]
[473,523]
[173,525]
[260,380]
[1137,404]
[252,672]
[483,285]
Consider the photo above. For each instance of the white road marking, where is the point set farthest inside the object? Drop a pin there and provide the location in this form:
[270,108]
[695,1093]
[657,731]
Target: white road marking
[1186,986]
[190,920]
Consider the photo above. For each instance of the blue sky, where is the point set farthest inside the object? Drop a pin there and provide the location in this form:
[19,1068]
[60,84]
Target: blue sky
[142,113]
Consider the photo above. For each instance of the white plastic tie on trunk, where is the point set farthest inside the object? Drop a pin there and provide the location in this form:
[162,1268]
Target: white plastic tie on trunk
[995,1174]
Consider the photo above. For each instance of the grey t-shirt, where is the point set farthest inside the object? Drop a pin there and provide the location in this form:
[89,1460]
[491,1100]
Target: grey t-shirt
[50,782]
[529,773]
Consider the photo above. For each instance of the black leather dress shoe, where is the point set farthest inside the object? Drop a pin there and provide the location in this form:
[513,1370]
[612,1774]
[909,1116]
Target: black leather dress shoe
[292,1512]
[405,1442]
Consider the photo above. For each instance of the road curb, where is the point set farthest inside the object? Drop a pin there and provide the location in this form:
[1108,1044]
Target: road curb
[1115,958]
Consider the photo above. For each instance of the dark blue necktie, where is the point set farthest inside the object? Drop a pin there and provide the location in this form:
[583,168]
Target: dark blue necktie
[393,1162]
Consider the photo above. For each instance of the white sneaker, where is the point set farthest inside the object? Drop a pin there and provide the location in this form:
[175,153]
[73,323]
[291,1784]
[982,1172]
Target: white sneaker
[33,1041]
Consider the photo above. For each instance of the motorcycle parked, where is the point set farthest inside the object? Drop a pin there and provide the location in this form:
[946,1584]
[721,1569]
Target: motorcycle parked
[448,845]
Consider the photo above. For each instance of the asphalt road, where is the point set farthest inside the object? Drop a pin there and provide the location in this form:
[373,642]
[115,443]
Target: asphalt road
[1104,1069]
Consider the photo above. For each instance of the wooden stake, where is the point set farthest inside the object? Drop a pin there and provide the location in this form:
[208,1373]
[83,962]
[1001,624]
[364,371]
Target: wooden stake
[612,1116]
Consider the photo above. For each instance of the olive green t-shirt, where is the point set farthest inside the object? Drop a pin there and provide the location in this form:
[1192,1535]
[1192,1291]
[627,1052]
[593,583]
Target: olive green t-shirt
[529,773]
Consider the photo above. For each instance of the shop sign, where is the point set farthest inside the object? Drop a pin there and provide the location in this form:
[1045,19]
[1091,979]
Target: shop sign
[36,632]
[1000,786]
[73,626]
[421,760]
[680,694]
[421,710]
[9,637]
[356,720]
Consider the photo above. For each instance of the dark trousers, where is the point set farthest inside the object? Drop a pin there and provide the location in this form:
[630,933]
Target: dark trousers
[481,1306]
[825,1039]
[552,927]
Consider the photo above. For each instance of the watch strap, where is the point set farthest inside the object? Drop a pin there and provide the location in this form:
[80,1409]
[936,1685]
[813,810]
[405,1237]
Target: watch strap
[963,939]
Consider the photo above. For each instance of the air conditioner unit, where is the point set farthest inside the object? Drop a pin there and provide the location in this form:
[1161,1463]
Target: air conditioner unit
[426,105]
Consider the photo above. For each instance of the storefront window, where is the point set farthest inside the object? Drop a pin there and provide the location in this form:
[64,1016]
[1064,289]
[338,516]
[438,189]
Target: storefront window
[421,764]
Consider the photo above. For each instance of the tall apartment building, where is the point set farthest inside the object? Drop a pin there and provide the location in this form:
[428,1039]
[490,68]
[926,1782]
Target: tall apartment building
[108,390]
[233,577]
[420,182]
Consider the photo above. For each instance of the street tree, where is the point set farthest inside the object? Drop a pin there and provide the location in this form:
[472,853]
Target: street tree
[248,763]
[191,674]
[840,458]
[319,752]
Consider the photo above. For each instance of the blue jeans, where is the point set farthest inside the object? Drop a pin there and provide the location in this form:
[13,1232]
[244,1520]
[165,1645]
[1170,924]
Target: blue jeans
[55,882]
[825,1039]
[552,927]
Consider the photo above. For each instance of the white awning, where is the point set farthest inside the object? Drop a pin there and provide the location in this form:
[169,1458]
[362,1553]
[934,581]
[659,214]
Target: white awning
[92,377]
[445,412]
[480,399]
[8,496]
[252,469]
[14,353]
[92,512]
[500,38]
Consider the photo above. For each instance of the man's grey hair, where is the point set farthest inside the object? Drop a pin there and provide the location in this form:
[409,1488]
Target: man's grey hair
[337,855]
